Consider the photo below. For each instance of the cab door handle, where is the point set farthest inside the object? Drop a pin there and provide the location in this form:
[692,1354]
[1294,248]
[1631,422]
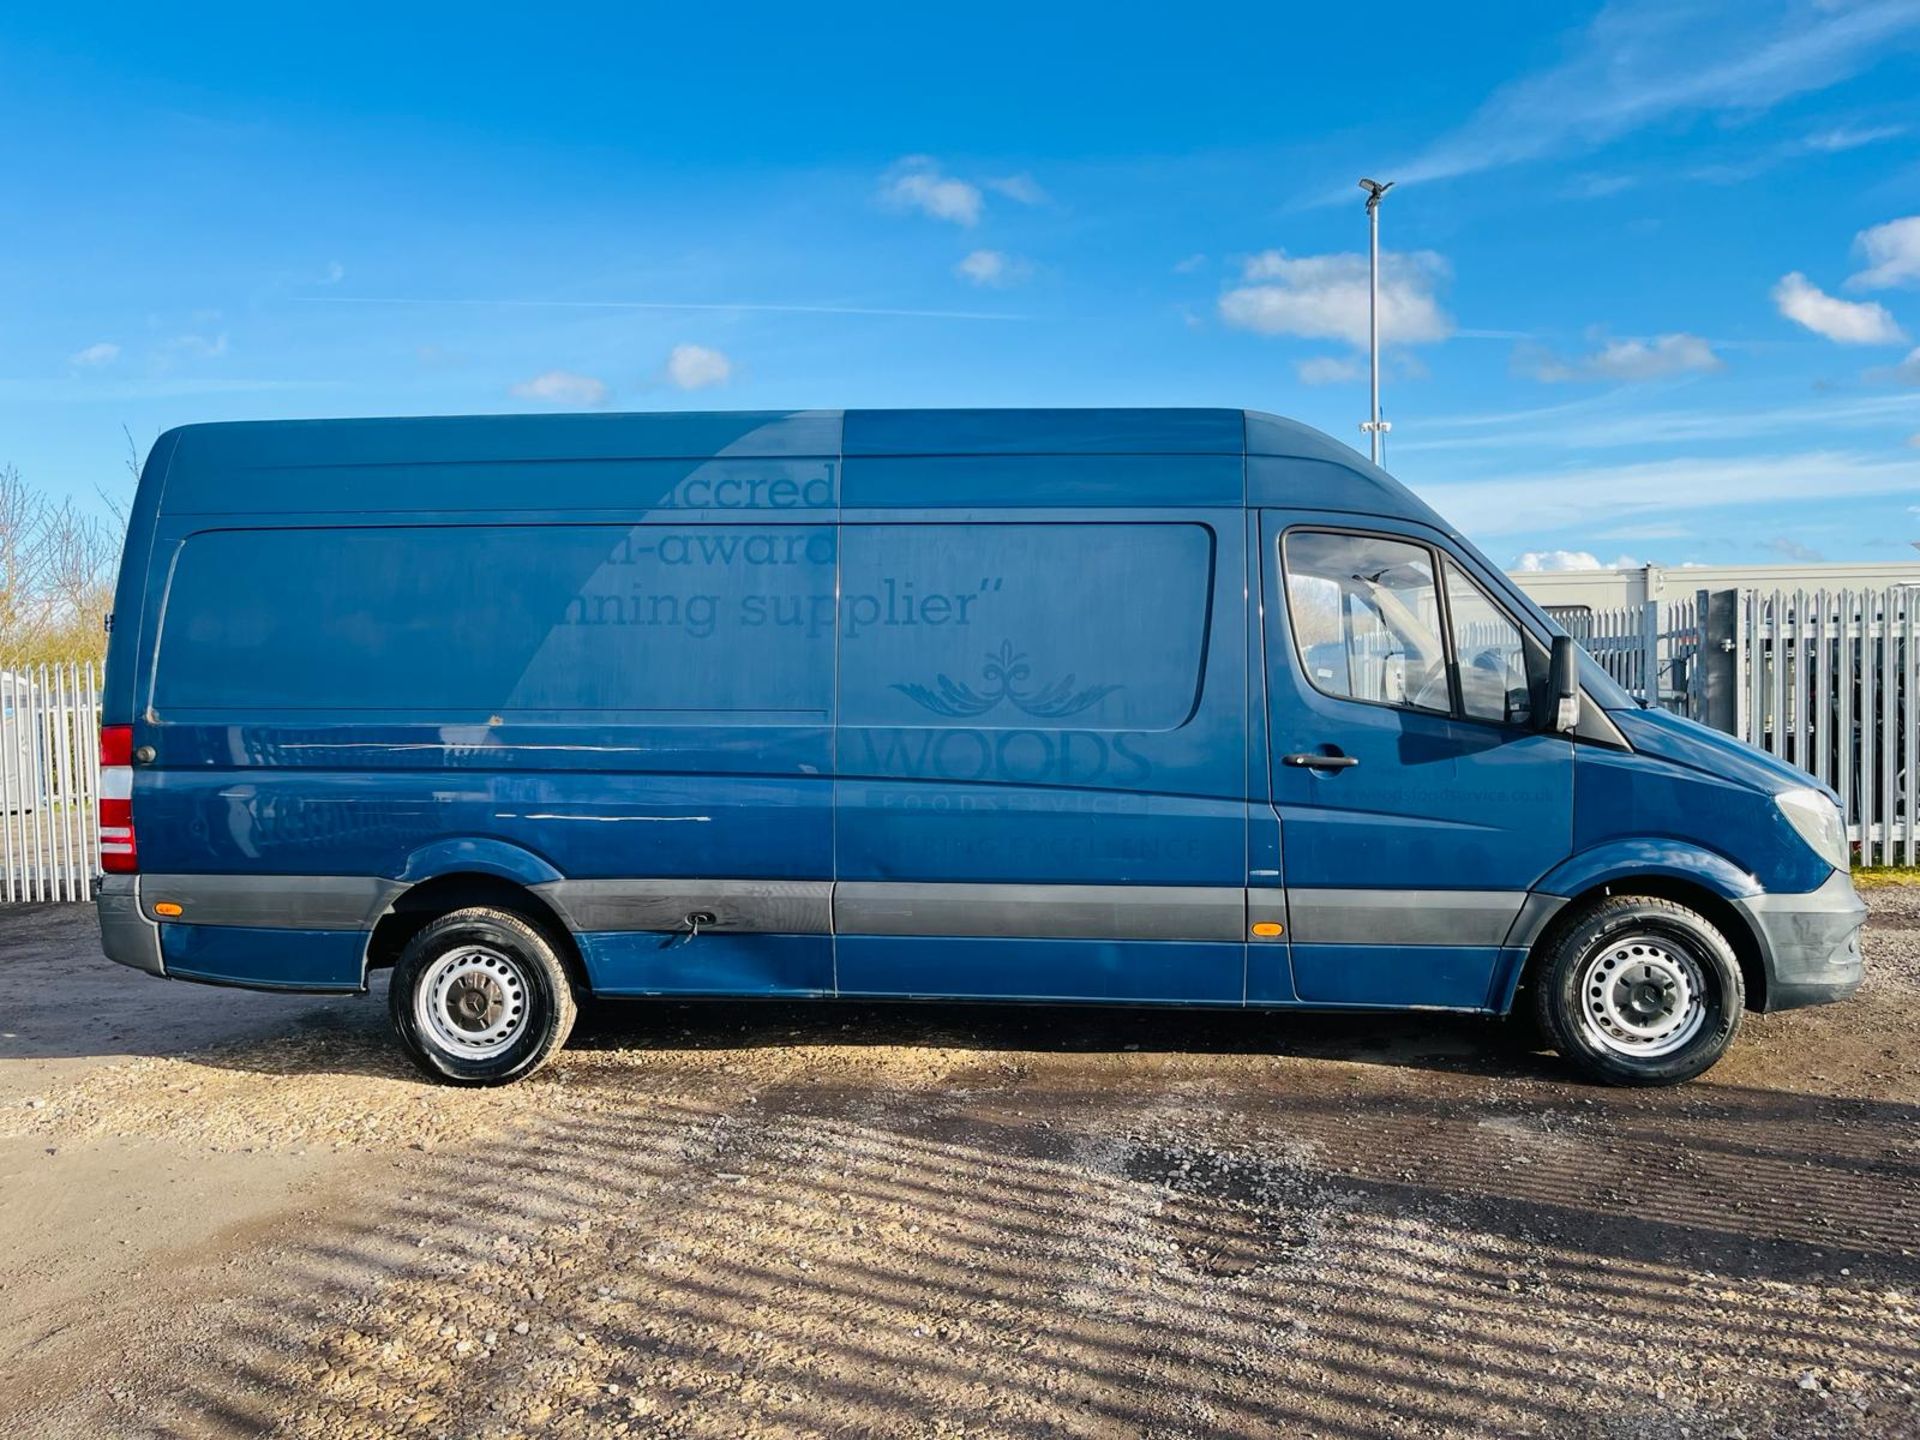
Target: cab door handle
[1312,760]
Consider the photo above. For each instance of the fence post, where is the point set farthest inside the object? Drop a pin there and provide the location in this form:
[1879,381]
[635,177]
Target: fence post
[1650,652]
[1718,661]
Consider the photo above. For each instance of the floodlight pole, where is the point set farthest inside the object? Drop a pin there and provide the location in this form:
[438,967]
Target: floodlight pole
[1375,427]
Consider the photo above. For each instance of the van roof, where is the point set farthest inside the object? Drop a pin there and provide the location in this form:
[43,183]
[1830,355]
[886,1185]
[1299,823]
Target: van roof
[232,467]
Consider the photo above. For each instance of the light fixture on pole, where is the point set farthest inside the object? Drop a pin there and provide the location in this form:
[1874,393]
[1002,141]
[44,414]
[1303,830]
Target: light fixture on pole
[1375,427]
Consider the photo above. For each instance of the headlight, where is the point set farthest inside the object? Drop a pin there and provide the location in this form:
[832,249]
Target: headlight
[1816,820]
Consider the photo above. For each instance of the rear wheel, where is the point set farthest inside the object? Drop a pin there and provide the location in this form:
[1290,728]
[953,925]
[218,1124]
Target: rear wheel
[1639,990]
[480,997]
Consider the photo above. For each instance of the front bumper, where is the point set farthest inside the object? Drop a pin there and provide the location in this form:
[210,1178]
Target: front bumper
[1809,944]
[126,934]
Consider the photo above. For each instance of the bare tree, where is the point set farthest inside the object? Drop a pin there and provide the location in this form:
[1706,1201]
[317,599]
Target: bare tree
[56,575]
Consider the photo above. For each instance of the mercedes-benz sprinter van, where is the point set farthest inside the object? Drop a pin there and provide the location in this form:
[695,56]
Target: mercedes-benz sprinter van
[1144,707]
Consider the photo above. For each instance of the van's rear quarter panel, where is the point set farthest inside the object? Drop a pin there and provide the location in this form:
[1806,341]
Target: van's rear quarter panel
[382,637]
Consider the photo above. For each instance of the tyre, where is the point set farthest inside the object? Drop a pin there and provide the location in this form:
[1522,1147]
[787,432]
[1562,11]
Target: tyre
[480,997]
[1636,990]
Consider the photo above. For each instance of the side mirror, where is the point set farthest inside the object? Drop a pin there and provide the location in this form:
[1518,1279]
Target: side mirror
[1563,685]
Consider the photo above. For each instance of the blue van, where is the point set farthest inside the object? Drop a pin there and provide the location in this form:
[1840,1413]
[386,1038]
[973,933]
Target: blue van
[1144,707]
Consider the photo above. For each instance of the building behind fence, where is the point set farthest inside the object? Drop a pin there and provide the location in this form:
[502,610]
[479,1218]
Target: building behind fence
[1825,679]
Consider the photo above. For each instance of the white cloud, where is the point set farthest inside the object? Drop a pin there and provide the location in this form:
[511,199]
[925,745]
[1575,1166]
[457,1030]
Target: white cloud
[1326,370]
[104,353]
[695,367]
[1538,562]
[1847,137]
[201,347]
[563,387]
[993,268]
[916,183]
[1892,251]
[336,272]
[1627,360]
[1788,548]
[1641,63]
[1022,189]
[1324,297]
[1606,421]
[1190,265]
[1847,321]
[1599,187]
[1548,501]
[1907,372]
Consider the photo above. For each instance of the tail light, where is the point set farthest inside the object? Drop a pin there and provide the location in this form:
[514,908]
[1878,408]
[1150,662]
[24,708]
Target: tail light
[118,855]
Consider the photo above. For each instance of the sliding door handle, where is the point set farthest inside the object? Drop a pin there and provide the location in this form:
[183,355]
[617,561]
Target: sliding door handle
[1315,761]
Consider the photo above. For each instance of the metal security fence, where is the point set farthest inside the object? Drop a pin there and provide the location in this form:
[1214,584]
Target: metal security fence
[1661,639]
[1828,680]
[49,781]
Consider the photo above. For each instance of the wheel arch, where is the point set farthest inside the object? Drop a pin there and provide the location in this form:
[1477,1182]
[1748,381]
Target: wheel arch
[1690,890]
[419,905]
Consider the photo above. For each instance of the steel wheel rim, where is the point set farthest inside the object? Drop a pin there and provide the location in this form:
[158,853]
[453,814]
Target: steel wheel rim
[473,1001]
[1642,996]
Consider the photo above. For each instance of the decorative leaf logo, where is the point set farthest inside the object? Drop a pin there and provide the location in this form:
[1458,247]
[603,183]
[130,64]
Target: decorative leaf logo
[1003,681]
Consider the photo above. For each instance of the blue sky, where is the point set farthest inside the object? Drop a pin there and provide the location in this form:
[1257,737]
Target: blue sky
[1653,273]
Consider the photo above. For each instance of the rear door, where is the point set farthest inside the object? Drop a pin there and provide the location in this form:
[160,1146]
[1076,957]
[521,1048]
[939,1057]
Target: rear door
[1417,802]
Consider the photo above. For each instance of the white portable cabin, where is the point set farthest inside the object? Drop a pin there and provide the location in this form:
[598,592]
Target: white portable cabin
[23,770]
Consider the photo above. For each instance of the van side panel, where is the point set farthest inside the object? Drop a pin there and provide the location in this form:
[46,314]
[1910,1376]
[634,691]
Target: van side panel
[130,621]
[621,670]
[1059,759]
[265,958]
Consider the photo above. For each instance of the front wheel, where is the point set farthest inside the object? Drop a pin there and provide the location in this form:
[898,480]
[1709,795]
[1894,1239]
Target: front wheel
[480,997]
[1640,991]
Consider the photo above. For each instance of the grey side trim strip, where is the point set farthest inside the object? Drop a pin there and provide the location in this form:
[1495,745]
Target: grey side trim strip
[1403,917]
[1218,913]
[783,907]
[1534,917]
[272,902]
[126,935]
[1068,912]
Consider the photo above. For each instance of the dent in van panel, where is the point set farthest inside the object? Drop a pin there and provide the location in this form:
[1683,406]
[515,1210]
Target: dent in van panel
[637,963]
[331,821]
[589,740]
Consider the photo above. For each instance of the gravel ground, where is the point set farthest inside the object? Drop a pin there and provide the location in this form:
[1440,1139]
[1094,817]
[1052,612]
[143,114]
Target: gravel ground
[233,1214]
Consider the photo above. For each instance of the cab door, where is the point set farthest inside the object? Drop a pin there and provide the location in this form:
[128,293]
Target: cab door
[1417,800]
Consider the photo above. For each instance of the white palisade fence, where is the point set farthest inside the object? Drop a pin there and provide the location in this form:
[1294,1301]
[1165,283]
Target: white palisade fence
[49,781]
[1830,680]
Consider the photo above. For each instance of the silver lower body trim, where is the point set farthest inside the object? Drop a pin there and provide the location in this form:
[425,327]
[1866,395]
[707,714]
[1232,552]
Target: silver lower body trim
[1065,912]
[1206,913]
[779,907]
[1403,917]
[126,934]
[271,902]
